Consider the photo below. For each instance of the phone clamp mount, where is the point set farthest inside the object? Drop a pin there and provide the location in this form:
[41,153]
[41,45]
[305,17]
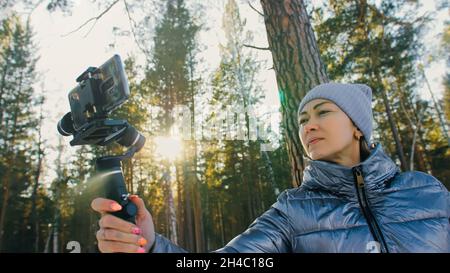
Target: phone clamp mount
[100,130]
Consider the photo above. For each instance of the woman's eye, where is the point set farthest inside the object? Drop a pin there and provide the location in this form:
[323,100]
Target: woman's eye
[302,121]
[323,112]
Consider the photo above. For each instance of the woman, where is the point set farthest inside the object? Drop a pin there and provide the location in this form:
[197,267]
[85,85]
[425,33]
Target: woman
[352,199]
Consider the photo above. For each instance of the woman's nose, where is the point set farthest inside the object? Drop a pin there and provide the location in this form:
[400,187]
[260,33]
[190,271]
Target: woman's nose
[309,126]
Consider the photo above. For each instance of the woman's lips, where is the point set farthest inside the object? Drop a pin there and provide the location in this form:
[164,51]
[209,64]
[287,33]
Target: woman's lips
[315,141]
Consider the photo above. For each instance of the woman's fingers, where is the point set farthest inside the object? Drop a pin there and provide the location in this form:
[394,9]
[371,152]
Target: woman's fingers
[141,209]
[113,222]
[118,236]
[103,205]
[112,246]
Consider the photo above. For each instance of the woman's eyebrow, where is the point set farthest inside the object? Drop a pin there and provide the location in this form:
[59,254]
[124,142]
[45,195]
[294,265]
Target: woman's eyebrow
[315,106]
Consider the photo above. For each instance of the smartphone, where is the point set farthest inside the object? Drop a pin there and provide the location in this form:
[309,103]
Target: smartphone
[100,92]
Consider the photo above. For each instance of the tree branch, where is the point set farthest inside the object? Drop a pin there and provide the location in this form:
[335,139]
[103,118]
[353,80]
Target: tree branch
[391,19]
[89,31]
[132,26]
[33,9]
[253,8]
[257,47]
[95,19]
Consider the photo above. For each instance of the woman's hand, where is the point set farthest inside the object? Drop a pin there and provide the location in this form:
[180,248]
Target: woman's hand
[117,235]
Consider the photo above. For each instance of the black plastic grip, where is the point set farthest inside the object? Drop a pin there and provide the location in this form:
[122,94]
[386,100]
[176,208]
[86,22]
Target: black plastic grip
[114,187]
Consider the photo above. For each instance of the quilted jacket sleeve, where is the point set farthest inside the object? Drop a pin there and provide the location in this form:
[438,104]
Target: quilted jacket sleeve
[269,233]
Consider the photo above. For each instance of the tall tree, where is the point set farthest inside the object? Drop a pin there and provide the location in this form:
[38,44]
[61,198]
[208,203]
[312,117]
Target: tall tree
[445,45]
[170,81]
[39,157]
[297,65]
[237,176]
[17,120]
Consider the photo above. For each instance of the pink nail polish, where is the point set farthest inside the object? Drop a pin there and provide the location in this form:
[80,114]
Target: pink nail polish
[136,231]
[142,241]
[141,250]
[115,207]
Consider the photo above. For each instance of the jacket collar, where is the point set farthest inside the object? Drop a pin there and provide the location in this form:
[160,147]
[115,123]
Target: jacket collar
[340,180]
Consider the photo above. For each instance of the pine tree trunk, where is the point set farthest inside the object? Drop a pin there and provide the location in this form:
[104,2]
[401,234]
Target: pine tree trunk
[181,213]
[2,91]
[57,213]
[415,125]
[140,186]
[131,176]
[374,61]
[194,187]
[4,208]
[221,220]
[10,162]
[5,191]
[188,224]
[245,182]
[5,188]
[423,158]
[172,217]
[55,235]
[297,65]
[397,141]
[413,146]
[413,134]
[199,234]
[34,215]
[438,109]
[47,242]
[269,167]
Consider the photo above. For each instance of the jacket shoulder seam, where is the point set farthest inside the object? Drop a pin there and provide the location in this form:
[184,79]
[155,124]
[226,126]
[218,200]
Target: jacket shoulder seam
[413,188]
[328,230]
[414,220]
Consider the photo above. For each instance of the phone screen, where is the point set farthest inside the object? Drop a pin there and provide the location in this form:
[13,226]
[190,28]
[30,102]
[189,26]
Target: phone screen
[114,87]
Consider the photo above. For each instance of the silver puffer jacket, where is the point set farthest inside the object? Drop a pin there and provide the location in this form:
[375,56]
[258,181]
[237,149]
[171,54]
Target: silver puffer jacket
[371,207]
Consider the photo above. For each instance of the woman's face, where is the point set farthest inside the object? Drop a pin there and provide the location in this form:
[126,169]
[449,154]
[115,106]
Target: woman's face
[328,134]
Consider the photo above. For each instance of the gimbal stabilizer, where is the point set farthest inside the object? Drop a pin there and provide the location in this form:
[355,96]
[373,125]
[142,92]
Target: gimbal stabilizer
[99,130]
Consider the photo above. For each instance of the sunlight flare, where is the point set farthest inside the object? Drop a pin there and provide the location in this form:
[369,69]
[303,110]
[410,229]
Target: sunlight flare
[168,148]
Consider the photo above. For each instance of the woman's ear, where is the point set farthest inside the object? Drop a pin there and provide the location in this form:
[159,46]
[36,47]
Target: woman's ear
[358,134]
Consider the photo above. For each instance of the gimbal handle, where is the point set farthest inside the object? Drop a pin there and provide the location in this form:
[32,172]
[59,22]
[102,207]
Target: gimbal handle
[110,171]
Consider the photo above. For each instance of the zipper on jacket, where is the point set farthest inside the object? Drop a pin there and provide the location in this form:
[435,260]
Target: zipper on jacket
[364,204]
